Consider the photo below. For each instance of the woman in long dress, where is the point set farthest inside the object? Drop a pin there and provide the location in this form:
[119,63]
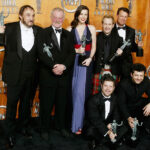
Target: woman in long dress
[85,46]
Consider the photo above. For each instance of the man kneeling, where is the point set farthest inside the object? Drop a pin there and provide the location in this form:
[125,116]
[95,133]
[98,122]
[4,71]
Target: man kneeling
[101,111]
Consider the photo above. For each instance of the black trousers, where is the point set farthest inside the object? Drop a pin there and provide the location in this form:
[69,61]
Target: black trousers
[50,96]
[19,93]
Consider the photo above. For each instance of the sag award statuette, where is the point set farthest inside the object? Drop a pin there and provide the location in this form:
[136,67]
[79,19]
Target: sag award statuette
[139,35]
[148,72]
[134,130]
[125,43]
[82,56]
[47,49]
[114,126]
[2,17]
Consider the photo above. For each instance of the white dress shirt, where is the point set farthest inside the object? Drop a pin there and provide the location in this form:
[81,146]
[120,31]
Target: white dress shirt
[58,35]
[121,32]
[27,37]
[107,106]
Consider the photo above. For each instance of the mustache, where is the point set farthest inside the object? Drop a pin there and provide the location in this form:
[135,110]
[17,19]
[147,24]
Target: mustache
[31,21]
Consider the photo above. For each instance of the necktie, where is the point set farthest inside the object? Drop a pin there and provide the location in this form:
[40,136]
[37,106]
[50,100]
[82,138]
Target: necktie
[58,30]
[124,28]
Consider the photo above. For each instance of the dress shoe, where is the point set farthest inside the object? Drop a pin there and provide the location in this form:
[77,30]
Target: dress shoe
[26,133]
[65,133]
[11,141]
[44,135]
[92,145]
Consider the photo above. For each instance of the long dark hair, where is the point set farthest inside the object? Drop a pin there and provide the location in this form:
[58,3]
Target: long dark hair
[75,21]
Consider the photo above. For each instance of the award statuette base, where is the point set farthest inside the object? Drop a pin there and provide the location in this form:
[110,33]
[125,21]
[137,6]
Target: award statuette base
[133,138]
[139,52]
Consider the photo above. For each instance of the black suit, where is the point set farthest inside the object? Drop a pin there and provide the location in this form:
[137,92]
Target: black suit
[53,88]
[114,44]
[96,124]
[128,61]
[130,102]
[18,72]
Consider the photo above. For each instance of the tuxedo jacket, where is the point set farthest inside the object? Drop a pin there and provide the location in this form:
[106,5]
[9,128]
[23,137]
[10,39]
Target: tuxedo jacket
[63,54]
[130,96]
[130,34]
[13,58]
[115,43]
[95,115]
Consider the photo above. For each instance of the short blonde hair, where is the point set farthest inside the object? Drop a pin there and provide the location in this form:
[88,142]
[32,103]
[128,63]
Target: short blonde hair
[108,16]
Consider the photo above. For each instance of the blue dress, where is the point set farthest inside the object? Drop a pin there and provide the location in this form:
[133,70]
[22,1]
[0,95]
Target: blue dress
[81,81]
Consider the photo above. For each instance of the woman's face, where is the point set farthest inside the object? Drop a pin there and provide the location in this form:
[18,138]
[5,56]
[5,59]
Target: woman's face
[82,18]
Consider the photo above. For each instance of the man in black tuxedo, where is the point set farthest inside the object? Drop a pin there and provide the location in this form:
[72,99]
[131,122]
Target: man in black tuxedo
[101,110]
[126,33]
[130,98]
[56,56]
[19,65]
[108,43]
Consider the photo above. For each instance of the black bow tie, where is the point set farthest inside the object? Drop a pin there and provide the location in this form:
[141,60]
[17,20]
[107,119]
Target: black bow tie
[107,99]
[124,28]
[58,30]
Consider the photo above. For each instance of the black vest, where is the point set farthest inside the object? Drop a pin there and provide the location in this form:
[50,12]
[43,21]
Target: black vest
[29,63]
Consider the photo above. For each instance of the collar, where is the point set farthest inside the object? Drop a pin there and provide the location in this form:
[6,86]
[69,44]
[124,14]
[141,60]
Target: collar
[55,28]
[106,96]
[119,26]
[24,27]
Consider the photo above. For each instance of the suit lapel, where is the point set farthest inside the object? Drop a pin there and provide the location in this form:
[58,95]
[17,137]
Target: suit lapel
[34,31]
[19,42]
[127,33]
[102,106]
[62,40]
[54,38]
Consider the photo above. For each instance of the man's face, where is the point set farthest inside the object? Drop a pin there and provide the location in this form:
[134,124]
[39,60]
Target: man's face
[107,88]
[57,19]
[137,77]
[83,16]
[27,17]
[107,25]
[122,18]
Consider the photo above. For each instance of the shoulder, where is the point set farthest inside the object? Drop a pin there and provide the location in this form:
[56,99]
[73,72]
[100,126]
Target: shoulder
[37,27]
[92,28]
[146,80]
[66,32]
[130,28]
[124,83]
[99,34]
[69,28]
[12,24]
[95,99]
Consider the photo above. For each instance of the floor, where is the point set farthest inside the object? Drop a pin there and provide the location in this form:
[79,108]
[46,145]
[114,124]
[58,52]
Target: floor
[57,142]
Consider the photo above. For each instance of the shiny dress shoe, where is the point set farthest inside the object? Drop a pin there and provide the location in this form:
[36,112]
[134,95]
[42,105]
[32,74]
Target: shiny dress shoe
[11,141]
[65,133]
[44,135]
